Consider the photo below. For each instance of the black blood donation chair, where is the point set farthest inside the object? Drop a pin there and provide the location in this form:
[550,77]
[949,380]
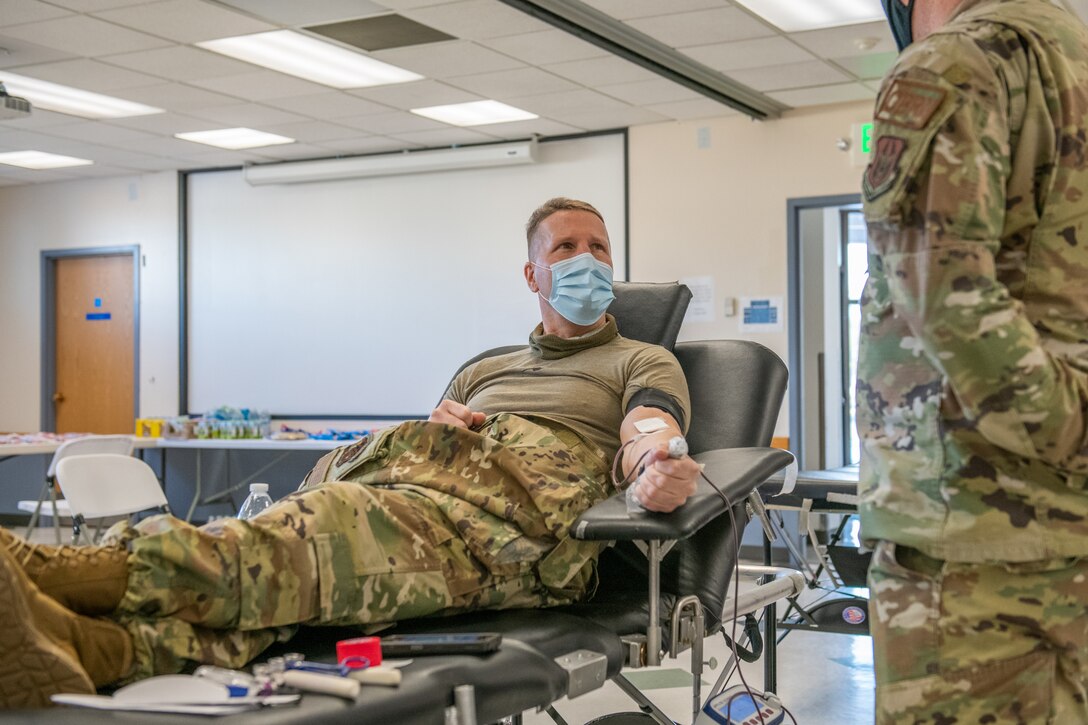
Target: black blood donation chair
[665,584]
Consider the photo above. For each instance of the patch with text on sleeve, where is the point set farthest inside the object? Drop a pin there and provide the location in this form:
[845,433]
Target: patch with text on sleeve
[883,166]
[910,104]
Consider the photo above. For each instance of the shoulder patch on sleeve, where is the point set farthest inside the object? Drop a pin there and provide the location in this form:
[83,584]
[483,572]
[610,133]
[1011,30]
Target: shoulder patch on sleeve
[910,104]
[883,166]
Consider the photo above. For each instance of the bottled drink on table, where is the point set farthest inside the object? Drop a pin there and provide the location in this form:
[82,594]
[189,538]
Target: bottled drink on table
[257,501]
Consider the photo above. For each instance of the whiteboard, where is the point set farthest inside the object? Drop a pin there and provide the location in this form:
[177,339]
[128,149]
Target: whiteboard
[362,297]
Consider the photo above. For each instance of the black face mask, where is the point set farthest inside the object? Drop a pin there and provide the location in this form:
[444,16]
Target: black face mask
[899,17]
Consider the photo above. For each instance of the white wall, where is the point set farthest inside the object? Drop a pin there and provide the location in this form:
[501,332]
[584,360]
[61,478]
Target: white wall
[120,211]
[721,210]
[718,211]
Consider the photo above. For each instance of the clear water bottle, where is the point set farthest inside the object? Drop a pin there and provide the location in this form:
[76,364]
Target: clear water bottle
[257,501]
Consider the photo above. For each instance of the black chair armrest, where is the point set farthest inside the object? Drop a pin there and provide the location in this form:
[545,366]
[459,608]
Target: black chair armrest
[736,471]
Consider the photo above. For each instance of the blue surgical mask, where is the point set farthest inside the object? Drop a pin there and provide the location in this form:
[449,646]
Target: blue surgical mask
[581,288]
[900,18]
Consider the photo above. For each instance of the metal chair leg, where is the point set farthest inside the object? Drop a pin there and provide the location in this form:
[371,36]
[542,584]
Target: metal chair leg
[56,516]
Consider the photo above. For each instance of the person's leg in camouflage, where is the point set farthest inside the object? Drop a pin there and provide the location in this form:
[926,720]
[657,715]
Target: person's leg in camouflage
[438,520]
[978,643]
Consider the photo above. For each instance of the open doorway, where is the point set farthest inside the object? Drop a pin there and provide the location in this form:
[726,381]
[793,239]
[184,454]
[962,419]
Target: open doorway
[827,269]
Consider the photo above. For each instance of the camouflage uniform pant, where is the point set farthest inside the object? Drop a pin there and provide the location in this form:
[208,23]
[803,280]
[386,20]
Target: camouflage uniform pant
[423,519]
[978,643]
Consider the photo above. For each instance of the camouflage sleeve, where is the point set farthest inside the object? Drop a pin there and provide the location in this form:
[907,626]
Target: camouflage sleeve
[936,194]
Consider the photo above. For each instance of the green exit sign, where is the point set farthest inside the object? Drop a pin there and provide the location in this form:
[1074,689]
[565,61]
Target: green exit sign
[866,138]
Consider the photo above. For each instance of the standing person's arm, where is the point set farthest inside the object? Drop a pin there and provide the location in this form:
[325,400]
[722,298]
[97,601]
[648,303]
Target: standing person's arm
[937,197]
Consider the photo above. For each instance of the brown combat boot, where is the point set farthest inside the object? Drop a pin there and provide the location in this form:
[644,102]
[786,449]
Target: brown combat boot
[46,649]
[33,665]
[86,579]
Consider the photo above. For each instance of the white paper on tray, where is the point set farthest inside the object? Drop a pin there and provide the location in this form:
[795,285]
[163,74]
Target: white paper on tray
[180,694]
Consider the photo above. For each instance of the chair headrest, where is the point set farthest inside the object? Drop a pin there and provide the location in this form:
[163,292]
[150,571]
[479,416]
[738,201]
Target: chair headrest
[650,311]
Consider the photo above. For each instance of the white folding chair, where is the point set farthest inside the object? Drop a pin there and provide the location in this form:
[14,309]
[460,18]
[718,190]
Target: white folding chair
[116,444]
[101,485]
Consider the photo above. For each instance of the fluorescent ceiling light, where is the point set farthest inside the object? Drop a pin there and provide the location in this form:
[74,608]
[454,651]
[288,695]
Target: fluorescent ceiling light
[793,16]
[73,101]
[40,160]
[234,138]
[476,113]
[300,55]
[414,162]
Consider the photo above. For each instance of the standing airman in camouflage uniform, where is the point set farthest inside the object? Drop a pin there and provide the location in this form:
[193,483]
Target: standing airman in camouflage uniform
[973,368]
[468,510]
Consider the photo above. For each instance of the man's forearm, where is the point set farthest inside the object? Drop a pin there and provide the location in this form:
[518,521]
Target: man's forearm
[639,445]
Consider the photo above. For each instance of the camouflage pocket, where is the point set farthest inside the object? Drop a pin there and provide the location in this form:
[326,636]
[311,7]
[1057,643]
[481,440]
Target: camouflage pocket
[905,613]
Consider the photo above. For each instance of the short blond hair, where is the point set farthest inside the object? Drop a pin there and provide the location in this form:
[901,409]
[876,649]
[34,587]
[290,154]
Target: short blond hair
[551,206]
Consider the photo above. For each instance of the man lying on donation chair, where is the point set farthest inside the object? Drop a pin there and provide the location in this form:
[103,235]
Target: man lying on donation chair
[468,510]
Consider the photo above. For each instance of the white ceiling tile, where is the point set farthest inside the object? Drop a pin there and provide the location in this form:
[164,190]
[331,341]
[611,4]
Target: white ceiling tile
[410,4]
[178,97]
[475,19]
[186,21]
[89,75]
[538,126]
[310,12]
[790,75]
[688,110]
[847,40]
[444,137]
[616,118]
[517,82]
[744,54]
[601,71]
[312,131]
[702,27]
[545,46]
[644,93]
[15,12]
[625,9]
[368,145]
[180,63]
[99,133]
[169,147]
[558,105]
[123,157]
[417,94]
[38,119]
[249,115]
[166,123]
[20,52]
[868,67]
[288,151]
[821,95]
[389,123]
[212,158]
[93,6]
[331,104]
[443,60]
[260,85]
[84,35]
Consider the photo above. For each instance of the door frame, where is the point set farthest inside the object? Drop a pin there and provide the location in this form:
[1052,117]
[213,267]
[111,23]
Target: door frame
[794,207]
[49,258]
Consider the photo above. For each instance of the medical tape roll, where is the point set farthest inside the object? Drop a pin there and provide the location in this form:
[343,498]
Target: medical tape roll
[369,647]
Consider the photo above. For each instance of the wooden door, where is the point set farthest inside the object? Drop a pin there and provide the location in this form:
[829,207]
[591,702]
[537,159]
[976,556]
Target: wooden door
[95,347]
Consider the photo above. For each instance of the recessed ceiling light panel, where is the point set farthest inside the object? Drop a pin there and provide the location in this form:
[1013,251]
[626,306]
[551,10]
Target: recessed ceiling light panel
[234,138]
[300,55]
[475,113]
[73,101]
[793,16]
[40,160]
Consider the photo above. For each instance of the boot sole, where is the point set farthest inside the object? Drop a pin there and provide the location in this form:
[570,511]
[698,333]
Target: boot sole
[31,667]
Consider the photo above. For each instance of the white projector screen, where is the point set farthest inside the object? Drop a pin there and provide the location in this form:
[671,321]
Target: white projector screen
[361,297]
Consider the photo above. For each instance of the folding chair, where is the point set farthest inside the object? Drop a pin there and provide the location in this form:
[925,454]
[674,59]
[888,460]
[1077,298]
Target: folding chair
[117,444]
[101,485]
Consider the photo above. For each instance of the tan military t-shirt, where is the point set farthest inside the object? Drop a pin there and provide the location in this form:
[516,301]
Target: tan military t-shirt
[583,384]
